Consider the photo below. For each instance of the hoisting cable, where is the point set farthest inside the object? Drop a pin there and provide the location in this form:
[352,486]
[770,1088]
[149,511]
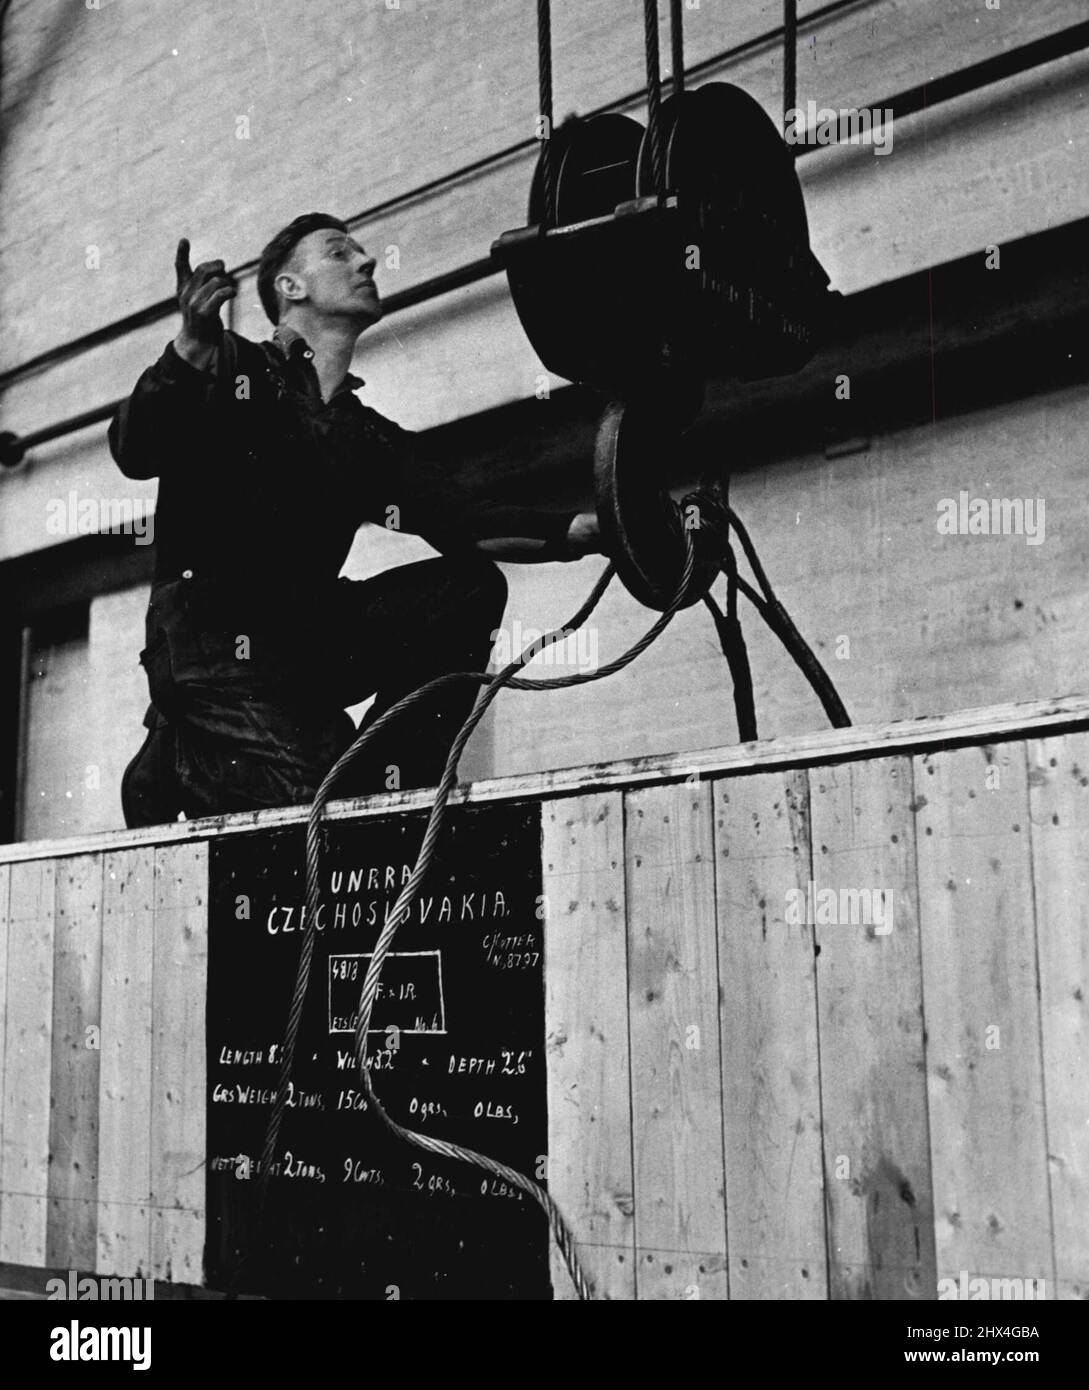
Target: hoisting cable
[654,94]
[779,620]
[544,102]
[493,684]
[790,62]
[676,38]
[711,501]
[732,641]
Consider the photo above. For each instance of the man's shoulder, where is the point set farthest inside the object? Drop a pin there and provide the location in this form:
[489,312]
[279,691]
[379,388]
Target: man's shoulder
[237,356]
[236,348]
[380,424]
[376,415]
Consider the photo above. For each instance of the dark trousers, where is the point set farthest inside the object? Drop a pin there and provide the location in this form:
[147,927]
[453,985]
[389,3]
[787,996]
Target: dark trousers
[226,736]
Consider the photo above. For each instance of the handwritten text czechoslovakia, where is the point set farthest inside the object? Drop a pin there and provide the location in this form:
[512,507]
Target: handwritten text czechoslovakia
[352,911]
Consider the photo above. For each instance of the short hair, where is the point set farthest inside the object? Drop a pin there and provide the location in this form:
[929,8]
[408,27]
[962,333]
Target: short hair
[278,252]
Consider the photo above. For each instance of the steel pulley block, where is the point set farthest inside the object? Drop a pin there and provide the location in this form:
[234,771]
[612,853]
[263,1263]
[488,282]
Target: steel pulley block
[644,292]
[715,275]
[641,525]
[572,283]
[743,293]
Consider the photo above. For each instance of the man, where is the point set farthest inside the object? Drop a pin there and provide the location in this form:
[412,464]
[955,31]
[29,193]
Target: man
[268,464]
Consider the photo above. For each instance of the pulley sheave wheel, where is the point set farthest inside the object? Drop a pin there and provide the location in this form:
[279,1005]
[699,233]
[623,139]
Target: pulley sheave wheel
[741,290]
[720,148]
[595,161]
[641,525]
[572,288]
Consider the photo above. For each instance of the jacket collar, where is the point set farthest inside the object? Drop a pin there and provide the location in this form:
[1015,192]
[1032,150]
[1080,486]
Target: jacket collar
[295,348]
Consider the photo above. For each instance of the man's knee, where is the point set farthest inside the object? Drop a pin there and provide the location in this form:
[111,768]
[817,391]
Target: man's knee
[482,578]
[149,792]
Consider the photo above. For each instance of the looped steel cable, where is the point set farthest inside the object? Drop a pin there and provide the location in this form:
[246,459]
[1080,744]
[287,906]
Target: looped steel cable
[779,620]
[732,638]
[493,683]
[711,502]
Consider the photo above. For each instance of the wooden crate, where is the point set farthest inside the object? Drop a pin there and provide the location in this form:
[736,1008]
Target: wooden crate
[743,1103]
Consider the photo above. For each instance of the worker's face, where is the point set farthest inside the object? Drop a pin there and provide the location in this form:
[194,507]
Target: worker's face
[333,273]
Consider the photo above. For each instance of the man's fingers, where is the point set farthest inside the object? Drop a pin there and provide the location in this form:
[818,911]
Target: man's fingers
[203,289]
[202,285]
[208,272]
[202,292]
[221,296]
[202,276]
[208,303]
[181,262]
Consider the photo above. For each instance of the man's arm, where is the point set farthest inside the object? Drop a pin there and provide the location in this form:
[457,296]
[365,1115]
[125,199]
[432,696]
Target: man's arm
[581,537]
[159,424]
[432,503]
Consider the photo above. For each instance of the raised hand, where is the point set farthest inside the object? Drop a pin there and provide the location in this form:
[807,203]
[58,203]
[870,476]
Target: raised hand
[201,295]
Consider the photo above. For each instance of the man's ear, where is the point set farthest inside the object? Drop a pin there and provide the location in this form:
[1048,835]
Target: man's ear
[289,286]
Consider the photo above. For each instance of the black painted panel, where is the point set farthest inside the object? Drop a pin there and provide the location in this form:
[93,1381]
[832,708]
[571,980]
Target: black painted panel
[354,1212]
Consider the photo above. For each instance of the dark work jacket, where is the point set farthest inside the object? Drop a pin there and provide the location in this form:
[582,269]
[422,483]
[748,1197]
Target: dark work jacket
[262,487]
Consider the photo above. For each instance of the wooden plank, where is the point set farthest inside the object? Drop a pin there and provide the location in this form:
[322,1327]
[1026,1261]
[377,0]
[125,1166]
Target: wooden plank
[124,1137]
[178,1072]
[771,1089]
[870,998]
[980,987]
[28,1024]
[586,1029]
[71,1235]
[5,886]
[966,726]
[680,1203]
[1059,800]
